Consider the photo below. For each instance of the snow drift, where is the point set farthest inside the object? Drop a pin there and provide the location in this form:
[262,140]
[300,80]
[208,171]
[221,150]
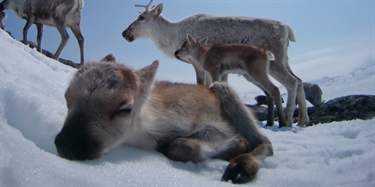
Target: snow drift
[33,109]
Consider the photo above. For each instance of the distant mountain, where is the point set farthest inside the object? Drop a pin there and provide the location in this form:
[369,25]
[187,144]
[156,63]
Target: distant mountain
[361,80]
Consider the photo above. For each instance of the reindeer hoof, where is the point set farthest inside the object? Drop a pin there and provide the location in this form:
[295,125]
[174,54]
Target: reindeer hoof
[303,122]
[269,124]
[241,169]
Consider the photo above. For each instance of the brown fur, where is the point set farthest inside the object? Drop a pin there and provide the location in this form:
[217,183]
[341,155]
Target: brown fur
[110,104]
[218,60]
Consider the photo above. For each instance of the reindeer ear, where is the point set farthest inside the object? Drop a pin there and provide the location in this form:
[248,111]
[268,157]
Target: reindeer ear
[145,81]
[190,39]
[109,58]
[157,10]
[147,76]
[204,40]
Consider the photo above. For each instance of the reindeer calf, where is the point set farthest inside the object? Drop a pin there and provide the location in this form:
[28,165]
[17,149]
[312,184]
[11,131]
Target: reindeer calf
[56,13]
[250,61]
[110,104]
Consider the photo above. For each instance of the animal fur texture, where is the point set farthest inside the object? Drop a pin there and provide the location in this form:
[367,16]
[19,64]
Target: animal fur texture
[110,104]
[249,61]
[268,34]
[2,17]
[56,13]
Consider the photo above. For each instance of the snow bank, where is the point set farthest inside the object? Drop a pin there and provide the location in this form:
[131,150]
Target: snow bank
[33,110]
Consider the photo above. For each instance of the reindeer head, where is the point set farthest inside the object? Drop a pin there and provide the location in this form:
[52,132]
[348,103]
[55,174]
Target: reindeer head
[142,26]
[102,100]
[191,49]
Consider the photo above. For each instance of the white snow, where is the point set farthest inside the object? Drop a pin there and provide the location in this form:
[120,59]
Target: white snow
[33,109]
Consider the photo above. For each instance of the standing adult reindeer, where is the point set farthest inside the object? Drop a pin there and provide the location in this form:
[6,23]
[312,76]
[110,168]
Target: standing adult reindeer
[265,33]
[56,13]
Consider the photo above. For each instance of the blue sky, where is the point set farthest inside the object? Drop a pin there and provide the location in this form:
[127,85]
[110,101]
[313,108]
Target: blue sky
[328,33]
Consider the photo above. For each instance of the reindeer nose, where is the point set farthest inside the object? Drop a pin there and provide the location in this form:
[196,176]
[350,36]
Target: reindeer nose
[124,34]
[66,150]
[127,36]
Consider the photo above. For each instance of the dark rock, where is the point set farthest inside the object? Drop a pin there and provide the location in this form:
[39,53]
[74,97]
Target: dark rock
[343,109]
[262,100]
[313,93]
[260,112]
[339,109]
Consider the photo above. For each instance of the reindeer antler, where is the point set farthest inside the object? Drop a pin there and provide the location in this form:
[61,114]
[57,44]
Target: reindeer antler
[145,6]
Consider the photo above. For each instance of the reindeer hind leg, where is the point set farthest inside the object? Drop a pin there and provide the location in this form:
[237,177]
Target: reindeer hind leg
[26,28]
[303,117]
[64,39]
[39,27]
[206,142]
[78,34]
[244,167]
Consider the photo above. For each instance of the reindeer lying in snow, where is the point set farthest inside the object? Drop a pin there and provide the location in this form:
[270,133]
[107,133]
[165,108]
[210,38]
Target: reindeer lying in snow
[218,60]
[264,33]
[56,13]
[110,104]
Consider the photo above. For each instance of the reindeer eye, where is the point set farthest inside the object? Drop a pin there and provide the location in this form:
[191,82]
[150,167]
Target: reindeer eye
[123,111]
[141,18]
[183,44]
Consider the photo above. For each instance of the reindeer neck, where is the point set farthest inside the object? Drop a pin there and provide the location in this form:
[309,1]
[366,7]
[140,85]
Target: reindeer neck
[164,36]
[203,54]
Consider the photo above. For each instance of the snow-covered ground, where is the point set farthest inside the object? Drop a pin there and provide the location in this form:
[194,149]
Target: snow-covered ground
[33,110]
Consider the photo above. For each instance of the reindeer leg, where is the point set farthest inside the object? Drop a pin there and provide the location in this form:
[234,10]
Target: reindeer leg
[39,28]
[198,149]
[274,95]
[244,167]
[224,78]
[64,39]
[262,81]
[303,117]
[215,76]
[291,84]
[28,24]
[184,150]
[270,109]
[208,79]
[206,142]
[78,34]
[200,74]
